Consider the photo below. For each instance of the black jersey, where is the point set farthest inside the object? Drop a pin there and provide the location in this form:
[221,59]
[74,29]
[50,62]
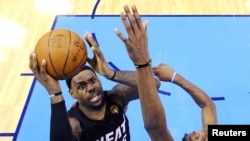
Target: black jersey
[114,127]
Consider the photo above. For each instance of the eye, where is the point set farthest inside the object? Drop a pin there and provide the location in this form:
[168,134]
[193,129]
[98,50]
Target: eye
[82,85]
[92,80]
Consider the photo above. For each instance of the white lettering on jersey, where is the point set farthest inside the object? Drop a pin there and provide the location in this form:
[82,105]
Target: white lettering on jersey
[118,133]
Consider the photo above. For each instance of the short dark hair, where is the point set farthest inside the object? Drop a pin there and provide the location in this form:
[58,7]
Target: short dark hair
[68,81]
[183,138]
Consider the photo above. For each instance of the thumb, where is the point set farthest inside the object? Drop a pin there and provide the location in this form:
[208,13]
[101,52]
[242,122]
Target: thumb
[145,24]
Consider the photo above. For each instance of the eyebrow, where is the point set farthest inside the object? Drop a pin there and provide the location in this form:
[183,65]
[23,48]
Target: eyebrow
[86,81]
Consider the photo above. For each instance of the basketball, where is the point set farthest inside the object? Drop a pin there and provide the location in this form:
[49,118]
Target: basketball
[64,51]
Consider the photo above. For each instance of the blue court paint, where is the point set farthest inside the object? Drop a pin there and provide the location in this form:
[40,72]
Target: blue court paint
[27,74]
[54,23]
[165,93]
[7,134]
[113,66]
[24,111]
[217,98]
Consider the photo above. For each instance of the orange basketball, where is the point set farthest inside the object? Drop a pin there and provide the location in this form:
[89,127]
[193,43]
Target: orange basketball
[64,51]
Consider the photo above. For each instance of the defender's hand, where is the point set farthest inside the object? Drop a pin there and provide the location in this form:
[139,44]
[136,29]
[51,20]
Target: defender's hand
[163,72]
[137,41]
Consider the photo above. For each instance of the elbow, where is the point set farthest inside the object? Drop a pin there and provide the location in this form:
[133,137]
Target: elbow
[210,104]
[154,126]
[157,83]
[150,127]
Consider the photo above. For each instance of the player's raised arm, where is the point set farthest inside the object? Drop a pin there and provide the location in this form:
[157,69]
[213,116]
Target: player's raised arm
[137,47]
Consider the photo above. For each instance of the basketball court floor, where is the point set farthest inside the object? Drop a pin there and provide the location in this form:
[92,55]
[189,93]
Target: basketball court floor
[210,50]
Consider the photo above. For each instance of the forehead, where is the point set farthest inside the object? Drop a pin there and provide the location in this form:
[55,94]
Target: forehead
[83,76]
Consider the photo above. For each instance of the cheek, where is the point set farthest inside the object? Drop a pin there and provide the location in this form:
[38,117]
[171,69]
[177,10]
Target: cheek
[99,84]
[79,94]
[73,94]
[83,100]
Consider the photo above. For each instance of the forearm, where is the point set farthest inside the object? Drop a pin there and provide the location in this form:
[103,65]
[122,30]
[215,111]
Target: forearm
[199,96]
[150,102]
[129,78]
[56,99]
[60,129]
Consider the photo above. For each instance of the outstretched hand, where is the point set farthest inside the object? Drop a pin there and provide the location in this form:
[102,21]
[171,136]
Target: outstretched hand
[137,41]
[98,62]
[50,84]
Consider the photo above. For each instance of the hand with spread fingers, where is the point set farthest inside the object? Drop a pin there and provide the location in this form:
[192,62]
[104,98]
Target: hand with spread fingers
[137,41]
[98,62]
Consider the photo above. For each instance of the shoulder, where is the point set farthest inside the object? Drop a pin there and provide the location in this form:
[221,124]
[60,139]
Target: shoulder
[123,94]
[115,97]
[73,109]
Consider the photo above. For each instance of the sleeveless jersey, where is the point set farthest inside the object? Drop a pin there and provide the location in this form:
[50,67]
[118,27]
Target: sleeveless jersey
[114,126]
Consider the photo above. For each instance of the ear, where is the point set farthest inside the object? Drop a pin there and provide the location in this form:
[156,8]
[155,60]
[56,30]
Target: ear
[72,94]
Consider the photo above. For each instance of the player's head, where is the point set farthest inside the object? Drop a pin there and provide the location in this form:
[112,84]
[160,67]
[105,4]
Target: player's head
[184,137]
[85,67]
[195,136]
[86,88]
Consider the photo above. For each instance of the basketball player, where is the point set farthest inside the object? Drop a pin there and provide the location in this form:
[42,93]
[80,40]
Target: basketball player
[137,47]
[208,108]
[99,114]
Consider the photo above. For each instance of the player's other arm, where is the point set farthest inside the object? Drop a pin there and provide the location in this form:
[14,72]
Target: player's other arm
[60,128]
[127,89]
[209,115]
[165,73]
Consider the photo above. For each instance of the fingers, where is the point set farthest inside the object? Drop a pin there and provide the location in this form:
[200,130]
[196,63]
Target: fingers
[39,72]
[132,25]
[86,38]
[43,71]
[137,17]
[127,25]
[30,63]
[131,21]
[155,70]
[120,35]
[33,63]
[93,45]
[90,40]
[145,25]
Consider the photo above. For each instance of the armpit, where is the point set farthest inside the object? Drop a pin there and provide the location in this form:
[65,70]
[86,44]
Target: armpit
[76,127]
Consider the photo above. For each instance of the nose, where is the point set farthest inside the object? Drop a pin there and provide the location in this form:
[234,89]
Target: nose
[90,87]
